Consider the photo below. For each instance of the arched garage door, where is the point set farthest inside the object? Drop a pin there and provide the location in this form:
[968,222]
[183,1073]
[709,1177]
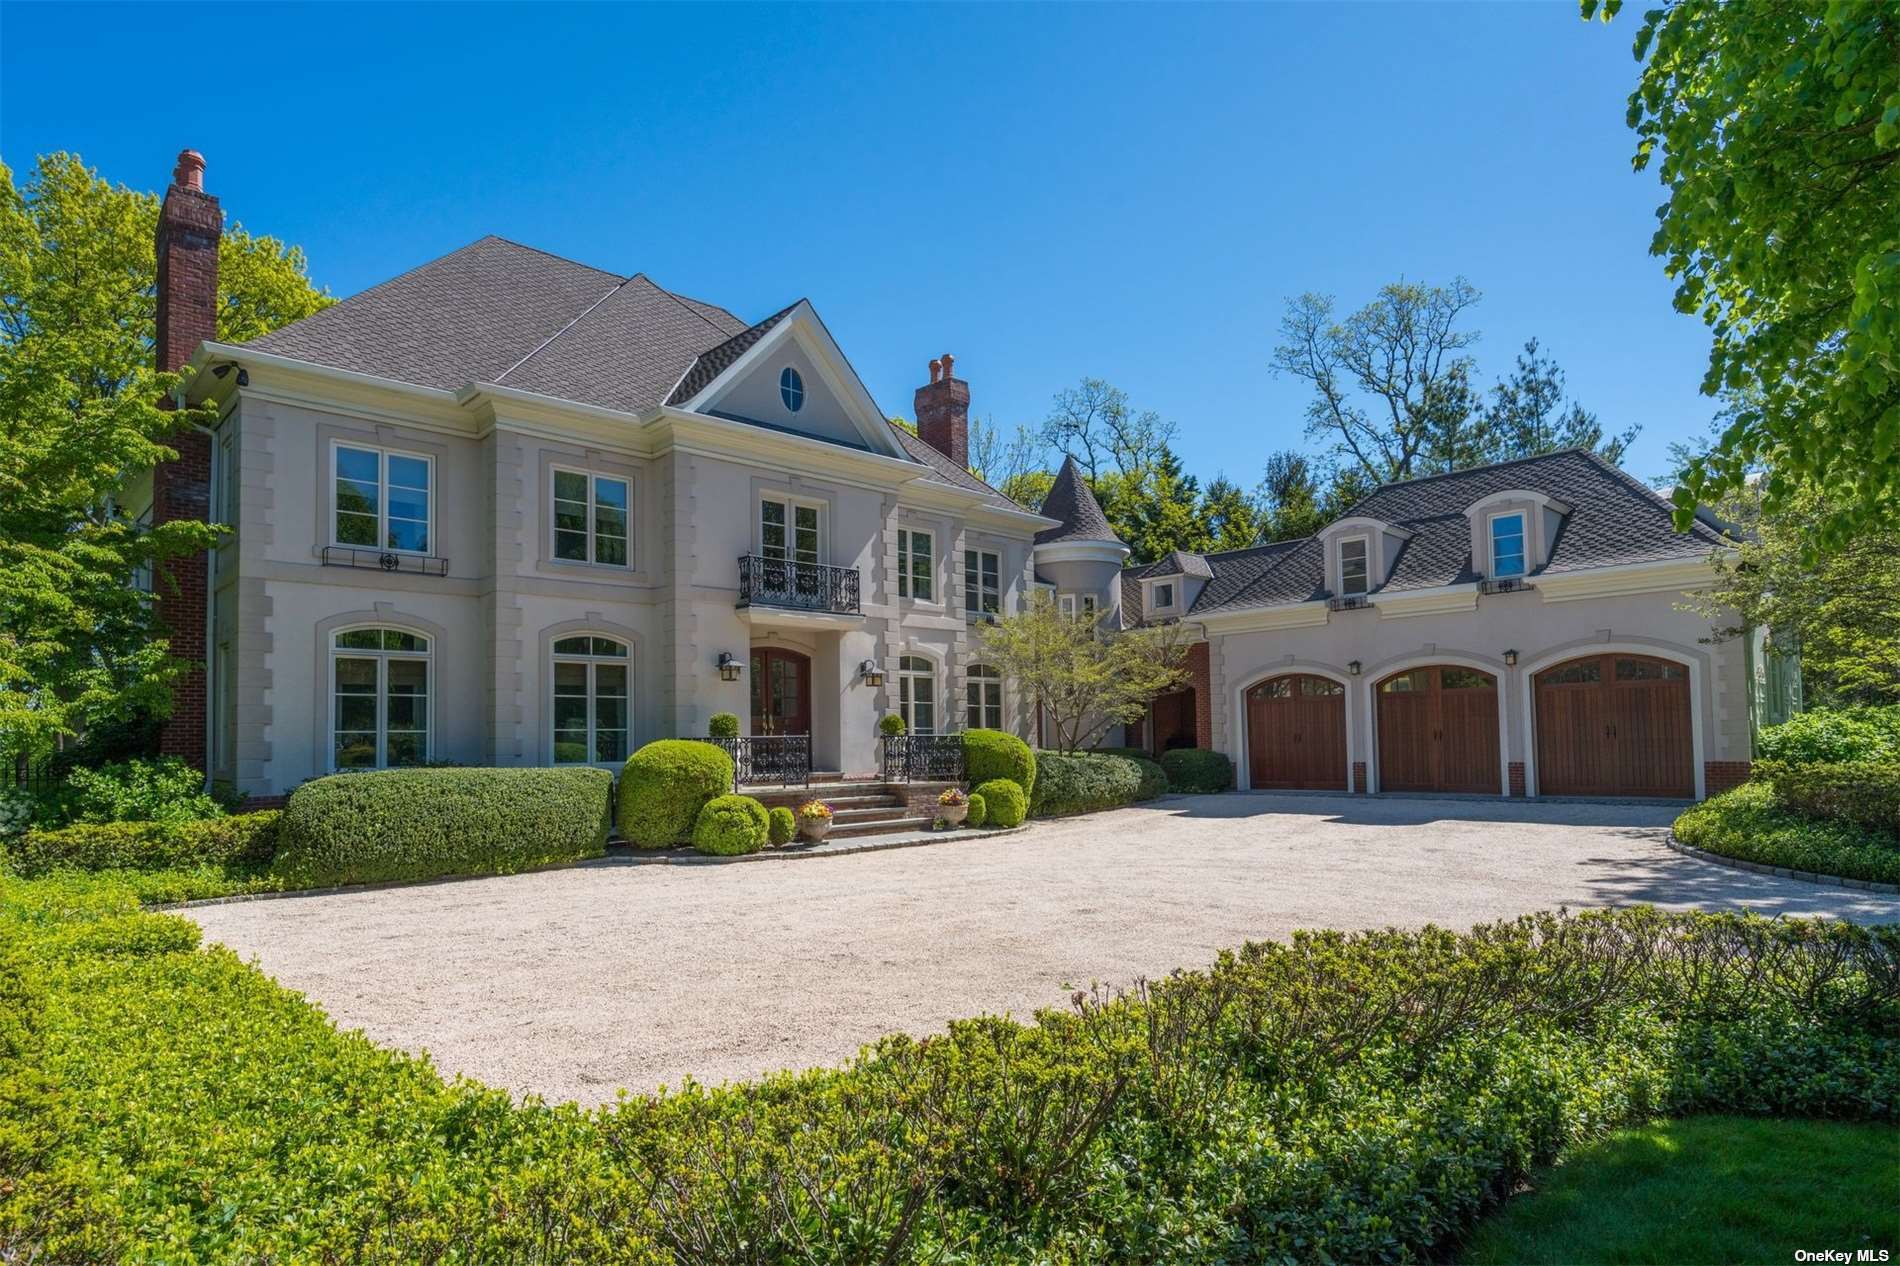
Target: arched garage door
[1296,733]
[1438,731]
[1615,725]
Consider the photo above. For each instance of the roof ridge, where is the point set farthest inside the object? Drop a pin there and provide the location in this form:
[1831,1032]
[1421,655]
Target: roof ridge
[1468,470]
[565,259]
[1644,490]
[578,317]
[681,300]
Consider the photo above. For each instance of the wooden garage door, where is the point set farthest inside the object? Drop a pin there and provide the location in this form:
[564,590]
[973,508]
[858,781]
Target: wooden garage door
[1438,731]
[1296,733]
[1615,725]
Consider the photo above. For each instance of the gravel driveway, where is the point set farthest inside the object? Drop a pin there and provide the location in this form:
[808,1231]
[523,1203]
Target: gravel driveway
[573,983]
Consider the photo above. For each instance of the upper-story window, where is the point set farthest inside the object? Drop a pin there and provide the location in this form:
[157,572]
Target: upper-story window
[982,582]
[382,499]
[590,700]
[788,530]
[591,518]
[227,475]
[1353,573]
[1507,544]
[791,389]
[917,693]
[1164,596]
[1073,604]
[914,565]
[379,686]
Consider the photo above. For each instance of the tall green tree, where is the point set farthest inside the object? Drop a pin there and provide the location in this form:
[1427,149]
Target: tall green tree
[1157,508]
[79,421]
[1231,516]
[1528,415]
[1775,129]
[1290,498]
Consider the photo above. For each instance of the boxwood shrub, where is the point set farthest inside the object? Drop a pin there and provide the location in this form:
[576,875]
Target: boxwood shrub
[664,786]
[1197,771]
[1832,735]
[991,754]
[247,837]
[419,823]
[782,825]
[979,811]
[731,826]
[1753,824]
[1863,792]
[1083,782]
[1004,803]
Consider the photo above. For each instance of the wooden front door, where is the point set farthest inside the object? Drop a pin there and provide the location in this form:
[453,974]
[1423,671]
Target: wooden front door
[1438,731]
[1296,733]
[1615,725]
[781,691]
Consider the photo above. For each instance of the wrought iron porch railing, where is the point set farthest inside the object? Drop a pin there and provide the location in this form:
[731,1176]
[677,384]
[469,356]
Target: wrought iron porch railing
[923,758]
[781,759]
[781,582]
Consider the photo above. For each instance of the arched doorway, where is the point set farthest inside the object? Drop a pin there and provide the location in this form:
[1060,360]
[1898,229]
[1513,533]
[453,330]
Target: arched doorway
[1438,730]
[781,691]
[1615,725]
[1296,733]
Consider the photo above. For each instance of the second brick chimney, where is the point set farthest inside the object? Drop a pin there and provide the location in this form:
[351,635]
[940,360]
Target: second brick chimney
[943,411]
[189,227]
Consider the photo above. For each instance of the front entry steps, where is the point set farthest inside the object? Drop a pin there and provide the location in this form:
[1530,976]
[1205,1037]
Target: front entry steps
[860,807]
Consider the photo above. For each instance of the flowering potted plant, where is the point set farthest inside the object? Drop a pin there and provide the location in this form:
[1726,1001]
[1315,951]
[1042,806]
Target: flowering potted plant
[953,806]
[814,819]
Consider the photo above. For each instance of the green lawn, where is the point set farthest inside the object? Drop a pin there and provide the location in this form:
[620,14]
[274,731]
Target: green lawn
[1726,1190]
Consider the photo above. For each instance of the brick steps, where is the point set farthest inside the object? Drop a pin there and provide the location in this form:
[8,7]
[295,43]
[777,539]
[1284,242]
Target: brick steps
[860,807]
[851,830]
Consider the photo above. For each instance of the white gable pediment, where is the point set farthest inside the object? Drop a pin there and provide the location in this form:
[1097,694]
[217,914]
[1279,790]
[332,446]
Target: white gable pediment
[796,379]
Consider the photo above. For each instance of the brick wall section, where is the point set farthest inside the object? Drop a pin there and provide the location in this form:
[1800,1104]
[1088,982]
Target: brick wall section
[1517,777]
[1359,777]
[1200,680]
[1724,775]
[943,412]
[189,226]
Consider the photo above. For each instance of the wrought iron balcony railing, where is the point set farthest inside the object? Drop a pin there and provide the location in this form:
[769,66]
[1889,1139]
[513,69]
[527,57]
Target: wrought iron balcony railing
[780,759]
[781,582]
[923,758]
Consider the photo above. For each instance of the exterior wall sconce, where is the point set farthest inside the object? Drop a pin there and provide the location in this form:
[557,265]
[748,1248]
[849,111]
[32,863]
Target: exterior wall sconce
[1354,667]
[872,674]
[728,667]
[1510,659]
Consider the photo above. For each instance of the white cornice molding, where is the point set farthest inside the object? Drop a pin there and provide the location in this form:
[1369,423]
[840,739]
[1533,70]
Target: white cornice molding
[1298,615]
[1082,551]
[1438,601]
[1630,578]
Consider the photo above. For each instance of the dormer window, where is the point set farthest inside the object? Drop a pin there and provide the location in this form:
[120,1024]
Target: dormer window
[1352,566]
[1507,545]
[1164,596]
[791,389]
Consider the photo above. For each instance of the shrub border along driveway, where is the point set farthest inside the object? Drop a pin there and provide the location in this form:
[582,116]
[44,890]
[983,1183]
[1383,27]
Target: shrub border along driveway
[1780,872]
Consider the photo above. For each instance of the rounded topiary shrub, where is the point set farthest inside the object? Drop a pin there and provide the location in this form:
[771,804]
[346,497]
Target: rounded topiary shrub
[783,825]
[731,825]
[991,754]
[979,811]
[890,725]
[723,725]
[1004,803]
[1195,770]
[664,786]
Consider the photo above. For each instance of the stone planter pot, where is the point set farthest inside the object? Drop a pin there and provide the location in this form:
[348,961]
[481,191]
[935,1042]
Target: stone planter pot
[814,829]
[954,813]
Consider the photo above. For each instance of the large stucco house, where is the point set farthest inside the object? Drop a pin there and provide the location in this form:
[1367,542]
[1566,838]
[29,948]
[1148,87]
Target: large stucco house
[510,509]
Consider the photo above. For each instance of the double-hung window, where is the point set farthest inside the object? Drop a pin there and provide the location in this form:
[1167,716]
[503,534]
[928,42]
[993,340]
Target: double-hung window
[382,499]
[1164,596]
[379,712]
[917,693]
[983,695]
[1507,545]
[982,583]
[590,700]
[914,565]
[591,518]
[1353,573]
[788,531]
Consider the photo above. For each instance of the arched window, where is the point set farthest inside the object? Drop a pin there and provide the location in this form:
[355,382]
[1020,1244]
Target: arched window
[917,693]
[379,689]
[791,389]
[589,704]
[983,692]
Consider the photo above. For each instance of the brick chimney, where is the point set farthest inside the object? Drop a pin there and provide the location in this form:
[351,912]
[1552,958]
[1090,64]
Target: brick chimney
[943,411]
[189,226]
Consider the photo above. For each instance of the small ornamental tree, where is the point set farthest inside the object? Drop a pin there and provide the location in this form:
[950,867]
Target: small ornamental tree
[1085,678]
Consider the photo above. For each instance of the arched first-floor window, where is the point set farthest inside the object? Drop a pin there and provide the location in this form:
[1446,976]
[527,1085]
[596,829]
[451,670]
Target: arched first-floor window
[589,703]
[917,693]
[983,694]
[379,687]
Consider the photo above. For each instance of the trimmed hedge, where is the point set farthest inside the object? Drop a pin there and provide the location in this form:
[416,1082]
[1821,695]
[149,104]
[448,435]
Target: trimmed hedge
[1358,1098]
[664,786]
[1004,803]
[1862,792]
[1084,782]
[1833,735]
[991,754]
[1753,824]
[1197,771]
[245,838]
[731,826]
[782,825]
[420,823]
[979,811]
[723,725]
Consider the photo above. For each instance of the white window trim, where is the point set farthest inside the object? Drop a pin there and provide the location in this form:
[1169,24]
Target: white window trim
[555,471]
[1491,543]
[934,677]
[993,677]
[903,566]
[591,660]
[382,498]
[797,384]
[1340,548]
[1155,605]
[791,505]
[382,689]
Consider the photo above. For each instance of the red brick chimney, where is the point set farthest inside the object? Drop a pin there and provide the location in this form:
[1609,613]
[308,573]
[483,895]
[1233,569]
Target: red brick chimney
[943,411]
[189,226]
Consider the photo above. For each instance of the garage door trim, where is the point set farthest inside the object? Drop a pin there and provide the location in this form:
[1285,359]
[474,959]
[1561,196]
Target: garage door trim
[1243,766]
[1495,668]
[1694,665]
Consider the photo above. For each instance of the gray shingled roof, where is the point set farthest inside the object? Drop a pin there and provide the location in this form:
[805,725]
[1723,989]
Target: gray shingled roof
[1080,514]
[714,361]
[947,470]
[1613,519]
[1179,562]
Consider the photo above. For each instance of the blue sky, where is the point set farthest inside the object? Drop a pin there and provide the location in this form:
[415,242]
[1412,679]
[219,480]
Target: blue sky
[1048,192]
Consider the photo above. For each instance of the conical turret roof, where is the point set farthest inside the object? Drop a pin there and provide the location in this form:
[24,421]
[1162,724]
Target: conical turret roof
[1081,514]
